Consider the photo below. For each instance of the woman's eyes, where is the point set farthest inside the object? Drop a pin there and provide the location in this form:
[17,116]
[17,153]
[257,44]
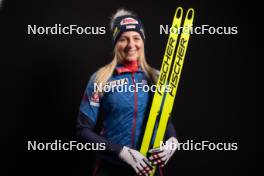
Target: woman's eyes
[125,39]
[122,39]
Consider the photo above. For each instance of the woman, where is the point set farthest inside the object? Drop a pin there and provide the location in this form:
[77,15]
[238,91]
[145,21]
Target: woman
[124,113]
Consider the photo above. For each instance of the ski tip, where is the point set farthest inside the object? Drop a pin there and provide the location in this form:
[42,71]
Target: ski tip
[179,12]
[190,14]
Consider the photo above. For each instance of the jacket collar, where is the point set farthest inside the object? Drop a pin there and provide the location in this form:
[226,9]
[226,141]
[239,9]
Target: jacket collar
[128,67]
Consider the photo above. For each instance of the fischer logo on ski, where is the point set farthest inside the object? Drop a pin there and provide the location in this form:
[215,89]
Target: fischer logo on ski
[176,70]
[166,64]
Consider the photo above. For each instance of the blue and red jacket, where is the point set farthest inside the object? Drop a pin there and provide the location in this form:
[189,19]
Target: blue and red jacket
[124,113]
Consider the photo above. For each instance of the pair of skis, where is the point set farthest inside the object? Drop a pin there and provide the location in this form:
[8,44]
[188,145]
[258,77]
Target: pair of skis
[165,72]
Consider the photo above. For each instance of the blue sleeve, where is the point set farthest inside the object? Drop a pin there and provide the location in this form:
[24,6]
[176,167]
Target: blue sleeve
[87,119]
[91,101]
[85,133]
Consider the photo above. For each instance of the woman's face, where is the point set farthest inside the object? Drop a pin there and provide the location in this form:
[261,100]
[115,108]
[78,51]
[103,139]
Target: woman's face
[130,45]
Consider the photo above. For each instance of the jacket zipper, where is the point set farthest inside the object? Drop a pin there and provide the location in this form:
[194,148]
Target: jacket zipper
[135,109]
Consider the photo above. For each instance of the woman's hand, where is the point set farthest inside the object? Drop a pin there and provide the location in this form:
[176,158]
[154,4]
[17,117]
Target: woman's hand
[160,156]
[136,160]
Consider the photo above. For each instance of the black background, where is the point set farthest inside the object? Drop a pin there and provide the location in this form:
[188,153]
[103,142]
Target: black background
[44,76]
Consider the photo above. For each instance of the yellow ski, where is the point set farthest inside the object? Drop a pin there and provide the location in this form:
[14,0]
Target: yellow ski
[162,81]
[174,78]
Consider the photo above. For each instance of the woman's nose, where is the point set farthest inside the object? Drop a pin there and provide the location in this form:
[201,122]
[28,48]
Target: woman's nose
[130,43]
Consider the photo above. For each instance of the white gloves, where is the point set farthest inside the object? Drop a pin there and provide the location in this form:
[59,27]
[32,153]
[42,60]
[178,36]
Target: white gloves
[136,160]
[160,156]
